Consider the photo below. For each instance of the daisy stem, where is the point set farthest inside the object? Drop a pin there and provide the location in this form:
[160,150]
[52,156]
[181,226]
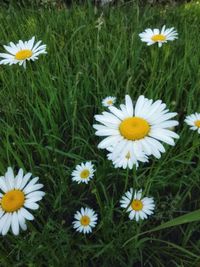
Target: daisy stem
[126,180]
[195,146]
[96,193]
[196,142]
[135,182]
[137,232]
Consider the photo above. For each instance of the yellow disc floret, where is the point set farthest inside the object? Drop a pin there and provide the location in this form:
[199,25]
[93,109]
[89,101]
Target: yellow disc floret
[109,102]
[158,38]
[134,128]
[23,54]
[197,123]
[12,200]
[85,220]
[84,174]
[137,205]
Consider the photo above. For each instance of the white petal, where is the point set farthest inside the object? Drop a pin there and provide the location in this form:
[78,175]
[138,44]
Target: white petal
[32,206]
[15,223]
[25,180]
[31,183]
[129,105]
[3,185]
[32,188]
[3,220]
[9,175]
[7,224]
[21,220]
[26,214]
[18,178]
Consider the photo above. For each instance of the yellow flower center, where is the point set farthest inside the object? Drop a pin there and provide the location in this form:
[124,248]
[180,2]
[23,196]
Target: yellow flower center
[84,174]
[134,128]
[12,200]
[85,220]
[158,38]
[23,54]
[109,102]
[197,123]
[137,205]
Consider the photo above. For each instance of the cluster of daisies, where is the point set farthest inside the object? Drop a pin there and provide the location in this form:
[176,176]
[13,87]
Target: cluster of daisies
[132,133]
[135,132]
[133,202]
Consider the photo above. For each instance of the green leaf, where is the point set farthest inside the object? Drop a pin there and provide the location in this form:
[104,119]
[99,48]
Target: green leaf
[187,218]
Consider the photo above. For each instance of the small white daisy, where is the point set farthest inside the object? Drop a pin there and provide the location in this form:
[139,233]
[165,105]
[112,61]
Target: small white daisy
[17,195]
[128,158]
[150,36]
[85,220]
[138,207]
[108,101]
[21,52]
[193,120]
[139,128]
[83,173]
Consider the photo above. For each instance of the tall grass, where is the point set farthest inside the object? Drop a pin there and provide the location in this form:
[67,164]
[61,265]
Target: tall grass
[46,117]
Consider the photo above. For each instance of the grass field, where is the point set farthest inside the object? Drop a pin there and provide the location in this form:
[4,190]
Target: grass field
[46,117]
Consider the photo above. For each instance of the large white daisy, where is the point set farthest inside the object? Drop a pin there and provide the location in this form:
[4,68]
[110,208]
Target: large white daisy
[193,120]
[85,220]
[17,195]
[150,36]
[138,129]
[22,52]
[138,207]
[83,173]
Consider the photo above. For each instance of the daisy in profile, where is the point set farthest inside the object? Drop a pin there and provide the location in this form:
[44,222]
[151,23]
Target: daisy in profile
[150,36]
[21,52]
[138,207]
[109,101]
[83,173]
[140,128]
[128,159]
[85,220]
[18,193]
[193,120]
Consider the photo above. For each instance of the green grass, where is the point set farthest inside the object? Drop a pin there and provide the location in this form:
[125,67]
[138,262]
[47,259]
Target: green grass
[46,117]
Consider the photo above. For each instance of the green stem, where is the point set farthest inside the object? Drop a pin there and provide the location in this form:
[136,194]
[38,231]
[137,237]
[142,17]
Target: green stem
[135,182]
[126,180]
[96,193]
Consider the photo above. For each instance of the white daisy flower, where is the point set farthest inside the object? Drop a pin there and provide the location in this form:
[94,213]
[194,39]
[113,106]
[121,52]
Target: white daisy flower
[17,195]
[108,101]
[138,207]
[21,52]
[83,172]
[138,129]
[193,120]
[85,220]
[150,36]
[127,159]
